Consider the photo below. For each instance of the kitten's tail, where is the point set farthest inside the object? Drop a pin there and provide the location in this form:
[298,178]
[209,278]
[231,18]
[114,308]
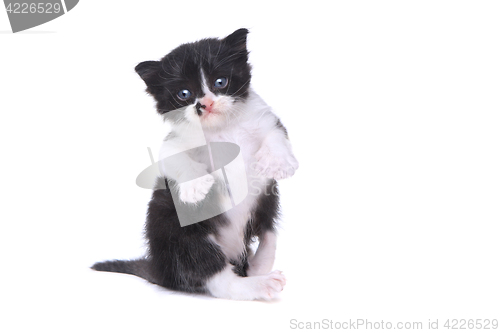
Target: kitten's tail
[138,267]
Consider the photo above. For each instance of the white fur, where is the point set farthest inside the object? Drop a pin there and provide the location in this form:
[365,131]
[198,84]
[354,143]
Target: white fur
[231,237]
[204,86]
[227,284]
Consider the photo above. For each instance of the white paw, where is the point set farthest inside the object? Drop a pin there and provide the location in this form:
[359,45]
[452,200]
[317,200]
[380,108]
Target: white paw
[195,190]
[271,285]
[275,164]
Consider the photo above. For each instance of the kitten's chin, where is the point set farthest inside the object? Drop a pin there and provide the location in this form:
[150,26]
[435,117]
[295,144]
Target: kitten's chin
[214,119]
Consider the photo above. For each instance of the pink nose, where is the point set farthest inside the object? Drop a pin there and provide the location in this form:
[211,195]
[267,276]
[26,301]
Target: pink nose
[207,103]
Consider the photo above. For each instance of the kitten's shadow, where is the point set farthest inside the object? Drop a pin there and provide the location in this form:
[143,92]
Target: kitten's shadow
[209,298]
[273,301]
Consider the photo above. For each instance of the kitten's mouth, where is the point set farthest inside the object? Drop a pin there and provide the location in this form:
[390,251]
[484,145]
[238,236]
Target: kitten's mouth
[209,114]
[211,111]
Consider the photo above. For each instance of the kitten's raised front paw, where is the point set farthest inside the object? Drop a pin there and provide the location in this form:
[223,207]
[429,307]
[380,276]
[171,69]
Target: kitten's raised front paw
[273,164]
[271,285]
[195,190]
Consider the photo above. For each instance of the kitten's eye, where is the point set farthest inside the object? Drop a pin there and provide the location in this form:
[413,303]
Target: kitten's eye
[184,94]
[220,83]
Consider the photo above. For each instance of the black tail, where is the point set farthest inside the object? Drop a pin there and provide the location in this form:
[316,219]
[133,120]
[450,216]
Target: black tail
[138,267]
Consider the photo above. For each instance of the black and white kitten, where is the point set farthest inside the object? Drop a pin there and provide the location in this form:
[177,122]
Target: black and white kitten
[207,83]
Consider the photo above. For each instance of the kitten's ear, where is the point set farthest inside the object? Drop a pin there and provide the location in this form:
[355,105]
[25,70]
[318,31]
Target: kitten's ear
[148,71]
[238,39]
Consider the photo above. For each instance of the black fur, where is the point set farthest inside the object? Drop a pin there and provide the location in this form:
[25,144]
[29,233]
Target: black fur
[183,258]
[139,267]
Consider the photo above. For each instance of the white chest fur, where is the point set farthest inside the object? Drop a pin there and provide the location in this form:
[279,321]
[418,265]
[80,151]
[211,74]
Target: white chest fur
[231,237]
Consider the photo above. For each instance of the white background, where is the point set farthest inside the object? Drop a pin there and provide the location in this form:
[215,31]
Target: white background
[393,110]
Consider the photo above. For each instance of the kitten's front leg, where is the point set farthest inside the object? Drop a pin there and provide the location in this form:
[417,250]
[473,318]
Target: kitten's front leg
[263,260]
[275,158]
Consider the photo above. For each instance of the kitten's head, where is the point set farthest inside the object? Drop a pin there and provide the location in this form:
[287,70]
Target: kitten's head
[205,80]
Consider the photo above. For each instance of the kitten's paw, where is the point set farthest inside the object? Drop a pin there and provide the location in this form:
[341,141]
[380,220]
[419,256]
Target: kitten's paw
[195,190]
[271,285]
[277,165]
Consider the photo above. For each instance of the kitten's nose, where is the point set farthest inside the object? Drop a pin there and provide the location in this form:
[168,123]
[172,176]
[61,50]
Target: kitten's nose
[207,103]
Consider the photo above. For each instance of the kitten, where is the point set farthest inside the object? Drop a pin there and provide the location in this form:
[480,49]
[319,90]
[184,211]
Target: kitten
[206,87]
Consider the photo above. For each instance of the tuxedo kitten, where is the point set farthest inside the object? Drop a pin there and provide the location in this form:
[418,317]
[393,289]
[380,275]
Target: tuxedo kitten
[203,89]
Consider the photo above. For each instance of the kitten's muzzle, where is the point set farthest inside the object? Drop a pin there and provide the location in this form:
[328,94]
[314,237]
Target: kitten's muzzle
[206,106]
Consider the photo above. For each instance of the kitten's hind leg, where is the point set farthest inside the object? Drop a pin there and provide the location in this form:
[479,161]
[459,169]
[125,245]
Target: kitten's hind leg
[263,260]
[227,284]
